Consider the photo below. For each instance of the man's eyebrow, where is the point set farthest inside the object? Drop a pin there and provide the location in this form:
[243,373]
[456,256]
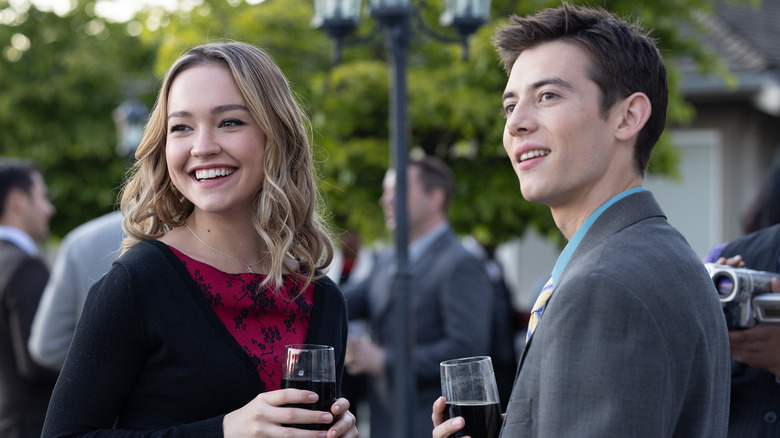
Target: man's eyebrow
[550,81]
[216,110]
[539,84]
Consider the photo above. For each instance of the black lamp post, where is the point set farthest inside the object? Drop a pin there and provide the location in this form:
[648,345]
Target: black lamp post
[339,18]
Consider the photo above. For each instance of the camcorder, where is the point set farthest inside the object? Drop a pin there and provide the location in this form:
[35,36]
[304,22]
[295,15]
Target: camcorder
[746,295]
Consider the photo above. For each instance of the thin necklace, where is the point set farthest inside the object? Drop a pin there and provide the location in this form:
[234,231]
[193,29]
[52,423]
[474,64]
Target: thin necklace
[248,267]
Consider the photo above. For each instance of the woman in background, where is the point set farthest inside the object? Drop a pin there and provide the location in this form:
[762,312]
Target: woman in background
[221,268]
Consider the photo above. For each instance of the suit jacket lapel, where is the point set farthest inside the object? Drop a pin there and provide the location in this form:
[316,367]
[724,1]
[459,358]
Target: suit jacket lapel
[623,213]
[383,285]
[383,294]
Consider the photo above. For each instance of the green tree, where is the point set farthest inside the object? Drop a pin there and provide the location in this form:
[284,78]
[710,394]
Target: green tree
[454,113]
[71,74]
[62,76]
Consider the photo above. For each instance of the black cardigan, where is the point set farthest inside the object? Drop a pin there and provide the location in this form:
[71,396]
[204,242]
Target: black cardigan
[149,354]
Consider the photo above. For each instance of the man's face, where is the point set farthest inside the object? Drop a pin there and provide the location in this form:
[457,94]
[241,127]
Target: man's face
[37,210]
[560,145]
[420,205]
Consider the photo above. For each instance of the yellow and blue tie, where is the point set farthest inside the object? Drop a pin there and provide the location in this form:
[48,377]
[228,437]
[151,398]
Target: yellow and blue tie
[538,308]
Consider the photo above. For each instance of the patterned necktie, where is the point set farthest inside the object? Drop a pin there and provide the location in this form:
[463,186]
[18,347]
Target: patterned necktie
[541,301]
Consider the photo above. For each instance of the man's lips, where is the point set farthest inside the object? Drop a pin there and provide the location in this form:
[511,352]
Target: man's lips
[533,154]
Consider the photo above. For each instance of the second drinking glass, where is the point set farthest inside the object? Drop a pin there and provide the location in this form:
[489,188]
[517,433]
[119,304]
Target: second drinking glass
[469,385]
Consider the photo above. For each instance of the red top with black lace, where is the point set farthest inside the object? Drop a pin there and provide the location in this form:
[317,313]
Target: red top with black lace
[261,319]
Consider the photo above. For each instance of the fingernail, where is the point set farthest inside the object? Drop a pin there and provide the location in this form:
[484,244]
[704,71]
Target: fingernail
[456,422]
[313,396]
[336,408]
[327,418]
[323,435]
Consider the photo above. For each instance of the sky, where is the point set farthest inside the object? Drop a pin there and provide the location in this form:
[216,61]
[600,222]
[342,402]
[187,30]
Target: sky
[116,10]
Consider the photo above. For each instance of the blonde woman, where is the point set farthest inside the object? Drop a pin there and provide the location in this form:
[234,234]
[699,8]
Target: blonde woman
[221,269]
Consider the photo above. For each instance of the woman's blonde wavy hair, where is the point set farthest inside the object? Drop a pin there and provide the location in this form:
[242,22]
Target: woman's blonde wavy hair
[287,216]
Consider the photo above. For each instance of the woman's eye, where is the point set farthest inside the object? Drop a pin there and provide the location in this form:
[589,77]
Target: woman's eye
[229,123]
[178,128]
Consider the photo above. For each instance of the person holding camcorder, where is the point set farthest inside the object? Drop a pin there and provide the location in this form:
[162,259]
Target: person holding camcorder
[754,333]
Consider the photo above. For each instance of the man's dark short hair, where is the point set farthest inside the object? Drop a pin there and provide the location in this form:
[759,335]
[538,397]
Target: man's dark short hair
[435,174]
[624,59]
[15,174]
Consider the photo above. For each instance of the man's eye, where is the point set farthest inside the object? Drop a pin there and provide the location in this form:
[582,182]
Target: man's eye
[508,109]
[547,96]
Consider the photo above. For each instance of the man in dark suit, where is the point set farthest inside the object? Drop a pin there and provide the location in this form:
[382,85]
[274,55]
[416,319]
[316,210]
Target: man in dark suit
[451,300]
[755,351]
[25,211]
[631,340]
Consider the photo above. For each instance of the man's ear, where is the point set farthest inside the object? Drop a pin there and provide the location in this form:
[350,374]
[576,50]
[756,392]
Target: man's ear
[634,112]
[437,195]
[15,202]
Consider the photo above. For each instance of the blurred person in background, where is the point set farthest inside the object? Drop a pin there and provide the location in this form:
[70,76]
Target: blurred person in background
[765,208]
[451,300]
[25,212]
[86,253]
[755,365]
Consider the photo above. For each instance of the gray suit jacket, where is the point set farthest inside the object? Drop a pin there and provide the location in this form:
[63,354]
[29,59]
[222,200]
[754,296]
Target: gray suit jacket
[633,341]
[451,306]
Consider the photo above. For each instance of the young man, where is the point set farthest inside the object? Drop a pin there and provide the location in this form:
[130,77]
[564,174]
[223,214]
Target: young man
[25,211]
[632,341]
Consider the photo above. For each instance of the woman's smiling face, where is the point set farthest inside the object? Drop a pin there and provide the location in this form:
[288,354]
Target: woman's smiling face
[214,147]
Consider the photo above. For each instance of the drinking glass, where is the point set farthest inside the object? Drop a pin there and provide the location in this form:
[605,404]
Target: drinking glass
[313,368]
[469,385]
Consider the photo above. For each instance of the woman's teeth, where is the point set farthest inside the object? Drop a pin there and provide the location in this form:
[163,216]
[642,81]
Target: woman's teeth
[202,174]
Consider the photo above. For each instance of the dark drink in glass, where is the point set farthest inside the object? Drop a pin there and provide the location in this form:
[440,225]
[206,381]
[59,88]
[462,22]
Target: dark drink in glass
[469,385]
[312,368]
[483,419]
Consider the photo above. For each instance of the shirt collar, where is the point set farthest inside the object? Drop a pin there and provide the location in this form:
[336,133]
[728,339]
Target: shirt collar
[567,252]
[18,238]
[421,244]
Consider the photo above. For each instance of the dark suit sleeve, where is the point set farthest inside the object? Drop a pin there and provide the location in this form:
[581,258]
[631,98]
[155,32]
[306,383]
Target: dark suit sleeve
[356,295]
[465,300]
[23,295]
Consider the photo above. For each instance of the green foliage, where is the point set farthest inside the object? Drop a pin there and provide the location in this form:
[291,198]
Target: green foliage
[58,96]
[61,78]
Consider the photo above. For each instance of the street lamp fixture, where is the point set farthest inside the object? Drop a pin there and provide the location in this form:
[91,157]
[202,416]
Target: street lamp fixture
[129,119]
[339,18]
[465,16]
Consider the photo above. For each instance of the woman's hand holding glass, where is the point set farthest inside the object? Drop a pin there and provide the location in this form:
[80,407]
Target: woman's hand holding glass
[267,416]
